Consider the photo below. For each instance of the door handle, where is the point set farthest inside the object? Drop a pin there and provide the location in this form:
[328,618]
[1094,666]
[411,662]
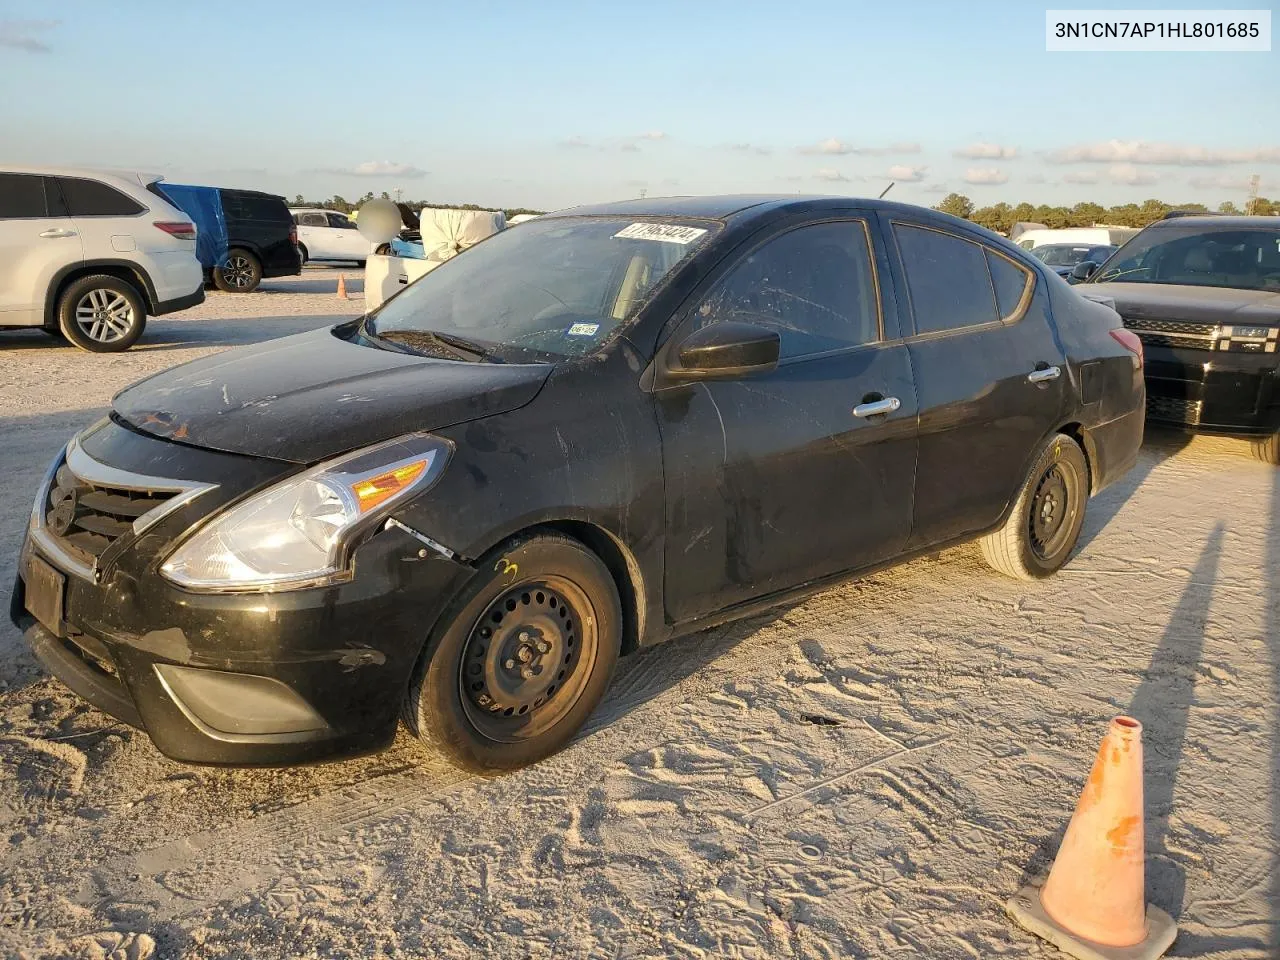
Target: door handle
[1044,375]
[877,407]
[56,233]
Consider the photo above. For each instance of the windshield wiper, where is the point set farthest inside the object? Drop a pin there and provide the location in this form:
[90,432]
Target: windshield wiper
[458,348]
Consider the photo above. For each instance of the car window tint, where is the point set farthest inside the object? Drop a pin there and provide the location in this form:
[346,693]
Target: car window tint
[248,206]
[1010,281]
[22,195]
[947,279]
[313,220]
[89,198]
[339,221]
[815,285]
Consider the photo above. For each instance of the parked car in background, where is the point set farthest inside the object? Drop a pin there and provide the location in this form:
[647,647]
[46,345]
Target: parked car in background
[249,235]
[1092,236]
[1063,257]
[89,254]
[1203,293]
[329,235]
[575,439]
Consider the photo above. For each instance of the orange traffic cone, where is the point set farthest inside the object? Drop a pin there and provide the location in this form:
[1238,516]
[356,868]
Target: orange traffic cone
[1093,904]
[342,286]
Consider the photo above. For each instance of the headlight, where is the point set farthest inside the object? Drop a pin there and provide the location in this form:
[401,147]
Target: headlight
[296,533]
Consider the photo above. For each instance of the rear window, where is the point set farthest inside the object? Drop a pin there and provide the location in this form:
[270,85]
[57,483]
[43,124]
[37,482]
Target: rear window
[253,206]
[89,198]
[22,196]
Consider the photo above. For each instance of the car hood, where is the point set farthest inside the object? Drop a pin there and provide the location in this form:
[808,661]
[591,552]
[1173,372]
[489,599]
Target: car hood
[309,397]
[1167,301]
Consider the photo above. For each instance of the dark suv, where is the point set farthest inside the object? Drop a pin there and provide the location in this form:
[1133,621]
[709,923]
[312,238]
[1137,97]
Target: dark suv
[1203,293]
[243,236]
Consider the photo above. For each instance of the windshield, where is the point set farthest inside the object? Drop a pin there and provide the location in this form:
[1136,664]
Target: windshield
[1061,254]
[1189,253]
[556,286]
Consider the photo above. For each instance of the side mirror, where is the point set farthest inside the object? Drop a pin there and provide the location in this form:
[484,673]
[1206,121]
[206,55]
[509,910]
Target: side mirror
[1083,270]
[727,350]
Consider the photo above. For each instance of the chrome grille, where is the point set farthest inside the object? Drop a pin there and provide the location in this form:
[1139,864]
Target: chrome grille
[1182,334]
[1174,409]
[87,517]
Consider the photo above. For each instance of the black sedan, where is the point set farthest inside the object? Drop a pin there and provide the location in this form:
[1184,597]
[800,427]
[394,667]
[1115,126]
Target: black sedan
[1203,294]
[612,426]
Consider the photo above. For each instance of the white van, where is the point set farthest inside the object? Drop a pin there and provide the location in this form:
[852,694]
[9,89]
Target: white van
[1090,236]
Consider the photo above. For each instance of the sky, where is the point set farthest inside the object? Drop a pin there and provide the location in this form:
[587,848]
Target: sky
[557,103]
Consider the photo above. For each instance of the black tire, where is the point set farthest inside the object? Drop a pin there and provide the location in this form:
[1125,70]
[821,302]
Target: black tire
[360,264]
[240,274]
[1044,524]
[1267,449]
[541,602]
[302,255]
[102,314]
[383,249]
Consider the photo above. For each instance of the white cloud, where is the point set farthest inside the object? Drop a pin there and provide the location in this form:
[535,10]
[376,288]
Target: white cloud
[1128,174]
[907,174]
[834,147]
[987,151]
[1162,154]
[1225,181]
[24,34]
[1081,176]
[383,168]
[985,176]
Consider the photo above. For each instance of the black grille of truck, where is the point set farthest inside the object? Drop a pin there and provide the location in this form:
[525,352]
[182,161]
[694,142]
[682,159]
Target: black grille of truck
[1173,333]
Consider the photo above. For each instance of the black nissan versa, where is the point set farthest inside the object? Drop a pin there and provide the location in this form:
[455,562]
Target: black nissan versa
[611,426]
[1203,294]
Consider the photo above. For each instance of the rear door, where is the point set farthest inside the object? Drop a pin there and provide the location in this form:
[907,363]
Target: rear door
[989,374]
[349,242]
[776,479]
[37,239]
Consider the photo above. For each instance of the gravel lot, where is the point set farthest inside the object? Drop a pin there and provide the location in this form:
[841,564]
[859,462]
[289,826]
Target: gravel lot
[869,773]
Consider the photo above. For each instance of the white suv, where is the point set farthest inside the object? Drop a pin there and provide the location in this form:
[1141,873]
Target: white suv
[90,254]
[329,235]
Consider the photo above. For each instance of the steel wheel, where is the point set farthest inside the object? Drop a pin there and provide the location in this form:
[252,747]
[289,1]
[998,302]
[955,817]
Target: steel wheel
[238,272]
[105,316]
[527,659]
[1053,508]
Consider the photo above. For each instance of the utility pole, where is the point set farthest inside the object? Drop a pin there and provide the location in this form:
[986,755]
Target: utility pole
[1251,207]
[643,192]
[397,194]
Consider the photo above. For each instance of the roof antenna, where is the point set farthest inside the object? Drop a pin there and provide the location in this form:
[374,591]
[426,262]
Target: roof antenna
[886,190]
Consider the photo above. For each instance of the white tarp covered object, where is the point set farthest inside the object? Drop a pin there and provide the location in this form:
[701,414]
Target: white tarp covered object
[447,232]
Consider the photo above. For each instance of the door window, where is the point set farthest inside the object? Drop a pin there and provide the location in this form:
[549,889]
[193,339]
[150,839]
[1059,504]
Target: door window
[89,198]
[815,285]
[312,220]
[1010,281]
[947,279]
[23,196]
[339,221]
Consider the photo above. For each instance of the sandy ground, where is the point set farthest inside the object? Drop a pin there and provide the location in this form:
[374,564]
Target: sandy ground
[870,773]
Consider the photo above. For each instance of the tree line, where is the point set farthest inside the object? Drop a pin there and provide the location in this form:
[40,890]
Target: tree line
[342,205]
[1000,217]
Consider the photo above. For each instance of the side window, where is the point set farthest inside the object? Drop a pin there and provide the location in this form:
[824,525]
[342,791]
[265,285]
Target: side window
[339,221]
[22,196]
[313,220]
[1010,281]
[815,285]
[89,198]
[947,279]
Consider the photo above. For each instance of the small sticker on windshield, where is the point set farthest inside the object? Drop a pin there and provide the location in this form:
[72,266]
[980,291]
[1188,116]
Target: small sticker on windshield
[583,330]
[666,232]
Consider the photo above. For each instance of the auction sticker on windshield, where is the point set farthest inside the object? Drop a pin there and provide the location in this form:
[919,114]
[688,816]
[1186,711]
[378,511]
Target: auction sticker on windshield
[583,330]
[666,232]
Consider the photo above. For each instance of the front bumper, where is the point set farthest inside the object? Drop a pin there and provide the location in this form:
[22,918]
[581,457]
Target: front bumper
[1214,392]
[235,678]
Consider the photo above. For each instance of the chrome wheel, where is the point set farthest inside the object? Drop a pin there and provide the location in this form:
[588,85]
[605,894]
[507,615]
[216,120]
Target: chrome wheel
[238,272]
[105,316]
[527,659]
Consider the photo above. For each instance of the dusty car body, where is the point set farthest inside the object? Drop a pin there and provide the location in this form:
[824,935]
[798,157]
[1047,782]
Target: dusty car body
[772,395]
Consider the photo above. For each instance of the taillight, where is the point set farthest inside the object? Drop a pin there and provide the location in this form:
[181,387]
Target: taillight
[293,235]
[1129,340]
[182,229]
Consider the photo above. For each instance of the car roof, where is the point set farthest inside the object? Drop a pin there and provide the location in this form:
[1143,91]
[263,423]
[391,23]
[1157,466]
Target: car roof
[318,210]
[749,206]
[1219,220]
[133,178]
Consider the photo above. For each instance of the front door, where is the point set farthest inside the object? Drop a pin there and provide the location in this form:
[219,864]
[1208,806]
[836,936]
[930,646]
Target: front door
[778,479]
[37,239]
[989,371]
